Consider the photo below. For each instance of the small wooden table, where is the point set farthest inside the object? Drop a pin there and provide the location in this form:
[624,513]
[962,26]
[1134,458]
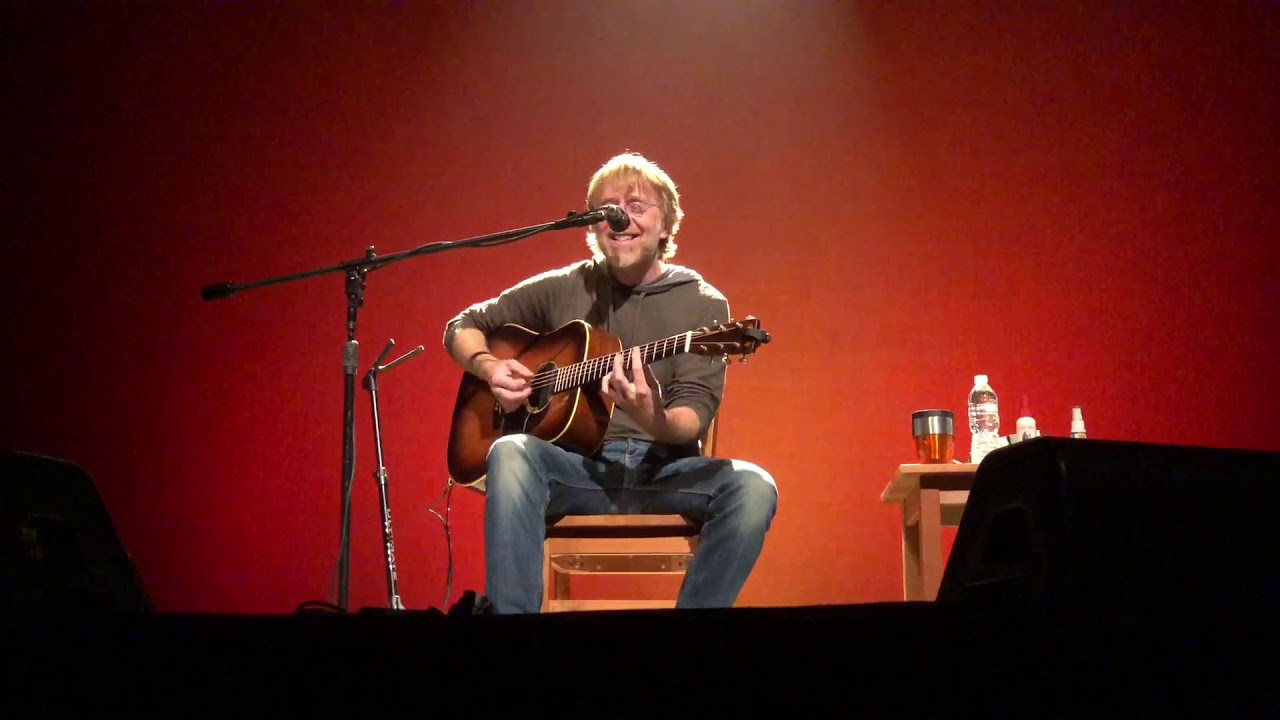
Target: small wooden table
[932,496]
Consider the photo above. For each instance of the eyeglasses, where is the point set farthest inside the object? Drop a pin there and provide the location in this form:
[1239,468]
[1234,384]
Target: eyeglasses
[636,208]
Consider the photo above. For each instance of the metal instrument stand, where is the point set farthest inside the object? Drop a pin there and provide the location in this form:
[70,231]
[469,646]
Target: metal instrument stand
[380,475]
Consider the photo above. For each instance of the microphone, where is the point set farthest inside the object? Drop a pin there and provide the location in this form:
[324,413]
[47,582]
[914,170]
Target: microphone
[617,218]
[218,291]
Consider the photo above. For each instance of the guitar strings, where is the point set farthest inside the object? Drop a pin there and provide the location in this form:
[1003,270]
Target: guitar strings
[580,373]
[596,368]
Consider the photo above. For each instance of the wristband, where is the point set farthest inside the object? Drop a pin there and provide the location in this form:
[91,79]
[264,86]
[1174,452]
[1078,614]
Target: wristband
[477,355]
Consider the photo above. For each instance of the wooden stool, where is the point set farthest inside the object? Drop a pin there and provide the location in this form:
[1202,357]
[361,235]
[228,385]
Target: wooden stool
[617,545]
[613,545]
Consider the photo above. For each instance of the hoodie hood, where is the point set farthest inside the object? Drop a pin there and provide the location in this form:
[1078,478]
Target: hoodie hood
[622,306]
[672,276]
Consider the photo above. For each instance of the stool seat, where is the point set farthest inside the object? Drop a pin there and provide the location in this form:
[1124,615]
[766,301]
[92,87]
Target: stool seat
[621,526]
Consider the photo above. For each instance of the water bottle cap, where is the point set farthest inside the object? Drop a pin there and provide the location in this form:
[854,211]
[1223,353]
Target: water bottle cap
[1076,414]
[979,379]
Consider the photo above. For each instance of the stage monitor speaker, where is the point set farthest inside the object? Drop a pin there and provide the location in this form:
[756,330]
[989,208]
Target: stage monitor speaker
[1102,527]
[59,552]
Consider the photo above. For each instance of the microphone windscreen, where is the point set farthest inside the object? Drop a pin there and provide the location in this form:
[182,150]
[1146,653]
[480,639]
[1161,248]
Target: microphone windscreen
[617,218]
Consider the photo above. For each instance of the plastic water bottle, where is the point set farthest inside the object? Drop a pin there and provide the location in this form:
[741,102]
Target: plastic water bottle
[984,419]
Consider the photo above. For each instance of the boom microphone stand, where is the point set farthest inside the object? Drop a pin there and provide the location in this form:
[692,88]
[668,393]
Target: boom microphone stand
[356,272]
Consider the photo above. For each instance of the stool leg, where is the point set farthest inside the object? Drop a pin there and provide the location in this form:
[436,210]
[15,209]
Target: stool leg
[548,587]
[562,585]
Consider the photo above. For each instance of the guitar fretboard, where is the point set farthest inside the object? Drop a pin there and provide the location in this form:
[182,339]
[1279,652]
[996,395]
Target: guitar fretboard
[588,371]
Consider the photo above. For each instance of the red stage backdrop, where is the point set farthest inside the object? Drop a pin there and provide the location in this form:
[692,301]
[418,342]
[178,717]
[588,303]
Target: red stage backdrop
[1078,202]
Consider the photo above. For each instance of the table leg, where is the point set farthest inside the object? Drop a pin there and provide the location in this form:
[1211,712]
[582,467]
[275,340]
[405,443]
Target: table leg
[912,577]
[930,536]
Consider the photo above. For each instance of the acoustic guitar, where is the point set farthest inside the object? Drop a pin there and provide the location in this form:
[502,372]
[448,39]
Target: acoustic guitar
[565,406]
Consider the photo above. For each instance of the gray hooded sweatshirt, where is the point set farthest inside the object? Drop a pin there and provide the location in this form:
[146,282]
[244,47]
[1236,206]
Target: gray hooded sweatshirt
[678,301]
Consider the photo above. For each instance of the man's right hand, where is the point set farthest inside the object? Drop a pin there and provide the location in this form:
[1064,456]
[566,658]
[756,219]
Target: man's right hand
[509,381]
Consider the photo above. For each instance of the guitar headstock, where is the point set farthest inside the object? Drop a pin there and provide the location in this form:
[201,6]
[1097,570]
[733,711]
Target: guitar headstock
[736,337]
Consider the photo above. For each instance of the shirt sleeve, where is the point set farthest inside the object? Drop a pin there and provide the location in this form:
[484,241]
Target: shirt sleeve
[698,380]
[527,304]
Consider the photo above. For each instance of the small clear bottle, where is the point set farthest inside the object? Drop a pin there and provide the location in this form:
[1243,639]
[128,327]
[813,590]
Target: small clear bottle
[1025,427]
[984,419]
[1077,422]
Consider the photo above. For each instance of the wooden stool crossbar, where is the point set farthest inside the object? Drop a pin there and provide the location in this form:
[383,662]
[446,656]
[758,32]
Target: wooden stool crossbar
[613,545]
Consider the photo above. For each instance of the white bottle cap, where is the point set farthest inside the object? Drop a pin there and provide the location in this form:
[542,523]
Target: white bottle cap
[1077,420]
[979,379]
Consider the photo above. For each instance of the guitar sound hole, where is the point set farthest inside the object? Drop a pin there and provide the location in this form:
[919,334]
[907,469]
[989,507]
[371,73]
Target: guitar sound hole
[541,396]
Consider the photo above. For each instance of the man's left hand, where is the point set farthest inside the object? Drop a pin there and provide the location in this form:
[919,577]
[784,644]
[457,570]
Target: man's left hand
[635,393]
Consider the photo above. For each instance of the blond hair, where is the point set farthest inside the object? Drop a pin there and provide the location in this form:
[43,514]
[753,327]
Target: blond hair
[631,168]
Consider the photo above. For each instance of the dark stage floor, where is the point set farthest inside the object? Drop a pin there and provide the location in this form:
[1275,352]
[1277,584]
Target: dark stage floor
[880,660]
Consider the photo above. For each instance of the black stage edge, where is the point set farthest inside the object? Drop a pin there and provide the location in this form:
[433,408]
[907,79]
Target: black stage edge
[1088,579]
[878,660]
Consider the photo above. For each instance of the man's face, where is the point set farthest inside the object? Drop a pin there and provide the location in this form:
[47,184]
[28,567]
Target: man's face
[632,253]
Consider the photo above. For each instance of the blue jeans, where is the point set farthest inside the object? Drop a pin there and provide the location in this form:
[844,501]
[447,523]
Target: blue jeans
[530,479]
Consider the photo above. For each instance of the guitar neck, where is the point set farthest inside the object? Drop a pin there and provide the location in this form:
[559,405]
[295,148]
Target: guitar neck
[593,370]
